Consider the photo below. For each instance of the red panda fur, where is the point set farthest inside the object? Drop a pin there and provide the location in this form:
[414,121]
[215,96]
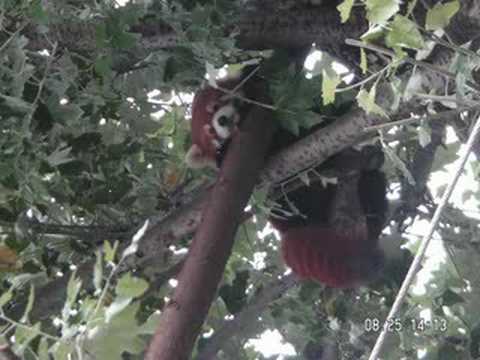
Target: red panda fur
[330,256]
[206,138]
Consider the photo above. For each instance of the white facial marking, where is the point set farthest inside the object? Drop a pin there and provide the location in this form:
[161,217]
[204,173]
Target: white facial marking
[224,121]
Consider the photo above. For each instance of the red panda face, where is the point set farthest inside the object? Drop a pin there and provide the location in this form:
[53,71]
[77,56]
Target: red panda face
[214,119]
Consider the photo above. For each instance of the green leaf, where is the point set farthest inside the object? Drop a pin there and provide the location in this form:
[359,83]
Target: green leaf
[130,287]
[404,33]
[379,11]
[366,100]
[62,350]
[439,16]
[259,196]
[24,335]
[38,13]
[87,307]
[374,34]
[116,307]
[110,251]
[398,163]
[345,8]
[60,155]
[108,341]
[43,349]
[124,40]
[28,308]
[293,95]
[5,297]
[69,114]
[103,66]
[150,325]
[15,104]
[289,123]
[329,86]
[101,38]
[73,288]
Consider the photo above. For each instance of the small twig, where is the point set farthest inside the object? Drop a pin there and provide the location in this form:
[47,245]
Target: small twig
[364,81]
[408,121]
[247,100]
[245,79]
[234,93]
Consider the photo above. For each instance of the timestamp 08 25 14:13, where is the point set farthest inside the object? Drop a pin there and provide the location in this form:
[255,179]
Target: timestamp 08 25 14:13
[398,325]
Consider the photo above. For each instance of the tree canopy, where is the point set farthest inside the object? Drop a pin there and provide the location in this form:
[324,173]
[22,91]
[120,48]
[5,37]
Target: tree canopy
[98,209]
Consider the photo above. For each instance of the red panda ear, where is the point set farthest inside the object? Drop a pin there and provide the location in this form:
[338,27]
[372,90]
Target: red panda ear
[196,158]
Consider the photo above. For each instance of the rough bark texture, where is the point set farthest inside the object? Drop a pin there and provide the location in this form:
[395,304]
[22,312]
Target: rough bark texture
[317,147]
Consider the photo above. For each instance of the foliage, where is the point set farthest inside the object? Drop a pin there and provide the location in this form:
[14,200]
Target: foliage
[92,145]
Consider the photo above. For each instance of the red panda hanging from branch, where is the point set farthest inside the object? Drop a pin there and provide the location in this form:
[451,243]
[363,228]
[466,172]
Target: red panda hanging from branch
[215,117]
[333,237]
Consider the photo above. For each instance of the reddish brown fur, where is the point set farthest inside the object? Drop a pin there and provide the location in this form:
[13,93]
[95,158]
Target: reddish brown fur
[325,254]
[204,150]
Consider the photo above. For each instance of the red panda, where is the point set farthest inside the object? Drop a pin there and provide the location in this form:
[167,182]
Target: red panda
[334,237]
[215,117]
